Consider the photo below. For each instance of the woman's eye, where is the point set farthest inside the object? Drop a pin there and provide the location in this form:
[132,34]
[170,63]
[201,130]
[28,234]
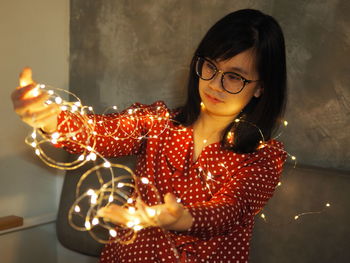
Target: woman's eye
[210,66]
[233,77]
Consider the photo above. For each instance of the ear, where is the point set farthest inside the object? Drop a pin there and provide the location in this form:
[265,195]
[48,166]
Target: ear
[258,92]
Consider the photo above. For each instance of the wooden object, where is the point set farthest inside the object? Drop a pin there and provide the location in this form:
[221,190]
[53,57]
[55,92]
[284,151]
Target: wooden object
[8,222]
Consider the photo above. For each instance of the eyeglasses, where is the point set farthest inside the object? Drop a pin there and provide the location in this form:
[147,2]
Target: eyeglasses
[231,82]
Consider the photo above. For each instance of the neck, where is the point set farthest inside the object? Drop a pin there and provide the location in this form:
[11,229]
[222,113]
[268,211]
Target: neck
[210,123]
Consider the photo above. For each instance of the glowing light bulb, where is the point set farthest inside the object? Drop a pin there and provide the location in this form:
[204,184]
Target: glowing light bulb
[74,108]
[90,121]
[89,148]
[150,211]
[285,123]
[95,221]
[64,108]
[90,192]
[55,135]
[107,164]
[293,158]
[130,224]
[279,184]
[53,141]
[296,217]
[263,216]
[50,92]
[87,225]
[129,201]
[77,103]
[112,232]
[93,199]
[144,180]
[33,135]
[92,156]
[209,176]
[42,86]
[37,152]
[137,228]
[77,209]
[136,221]
[328,204]
[132,210]
[237,120]
[178,200]
[110,199]
[205,141]
[58,100]
[33,144]
[114,107]
[90,108]
[120,185]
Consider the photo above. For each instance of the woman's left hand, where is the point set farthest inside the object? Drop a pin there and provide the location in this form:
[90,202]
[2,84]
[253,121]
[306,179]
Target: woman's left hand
[164,215]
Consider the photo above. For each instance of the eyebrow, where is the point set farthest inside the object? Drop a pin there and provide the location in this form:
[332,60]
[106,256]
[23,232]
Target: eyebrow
[239,70]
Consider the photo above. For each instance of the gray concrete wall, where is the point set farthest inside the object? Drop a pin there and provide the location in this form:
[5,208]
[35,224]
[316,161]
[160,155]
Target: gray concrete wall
[125,51]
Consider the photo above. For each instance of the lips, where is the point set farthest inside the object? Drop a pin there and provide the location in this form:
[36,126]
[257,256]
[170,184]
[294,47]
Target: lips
[212,98]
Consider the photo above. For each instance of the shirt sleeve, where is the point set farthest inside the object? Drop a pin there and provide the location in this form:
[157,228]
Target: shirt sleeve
[111,135]
[241,198]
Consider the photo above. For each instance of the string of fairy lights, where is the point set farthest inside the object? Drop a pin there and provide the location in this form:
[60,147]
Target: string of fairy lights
[117,183]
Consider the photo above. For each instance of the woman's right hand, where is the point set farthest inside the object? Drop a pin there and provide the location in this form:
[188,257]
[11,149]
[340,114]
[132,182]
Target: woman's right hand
[31,107]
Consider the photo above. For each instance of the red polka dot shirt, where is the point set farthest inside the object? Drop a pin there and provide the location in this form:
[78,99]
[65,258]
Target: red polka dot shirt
[222,190]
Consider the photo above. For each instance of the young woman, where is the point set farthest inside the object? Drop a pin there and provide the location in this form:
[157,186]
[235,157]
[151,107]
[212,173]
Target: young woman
[216,165]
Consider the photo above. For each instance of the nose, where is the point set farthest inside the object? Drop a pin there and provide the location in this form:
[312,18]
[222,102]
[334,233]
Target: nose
[215,83]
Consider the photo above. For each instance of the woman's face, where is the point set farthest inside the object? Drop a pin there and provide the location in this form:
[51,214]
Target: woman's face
[219,102]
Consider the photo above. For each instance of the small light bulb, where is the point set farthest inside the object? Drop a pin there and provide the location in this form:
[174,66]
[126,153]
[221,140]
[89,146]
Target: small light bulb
[150,211]
[77,209]
[34,135]
[137,228]
[64,108]
[132,210]
[74,108]
[205,141]
[87,225]
[293,158]
[129,201]
[77,103]
[209,176]
[328,204]
[50,92]
[110,199]
[279,184]
[55,135]
[107,164]
[285,123]
[33,144]
[120,185]
[92,156]
[37,152]
[95,221]
[91,108]
[90,121]
[90,192]
[237,120]
[112,232]
[93,199]
[130,224]
[144,180]
[58,100]
[89,148]
[296,217]
[263,216]
[53,141]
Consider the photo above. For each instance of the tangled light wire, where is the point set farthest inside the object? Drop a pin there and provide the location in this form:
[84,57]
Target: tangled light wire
[122,189]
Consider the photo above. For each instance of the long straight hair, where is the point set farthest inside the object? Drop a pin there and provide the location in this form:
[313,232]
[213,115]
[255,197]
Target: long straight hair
[236,32]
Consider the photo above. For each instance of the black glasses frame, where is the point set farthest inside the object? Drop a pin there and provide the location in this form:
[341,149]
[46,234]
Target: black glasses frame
[243,79]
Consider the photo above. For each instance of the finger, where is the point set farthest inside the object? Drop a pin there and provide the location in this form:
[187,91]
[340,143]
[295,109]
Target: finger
[172,205]
[25,77]
[41,117]
[19,92]
[32,104]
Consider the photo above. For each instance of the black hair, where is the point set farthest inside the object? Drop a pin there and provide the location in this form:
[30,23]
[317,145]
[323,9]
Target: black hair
[236,32]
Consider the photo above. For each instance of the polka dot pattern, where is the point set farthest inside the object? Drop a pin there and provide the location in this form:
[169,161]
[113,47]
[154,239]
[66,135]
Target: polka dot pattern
[222,190]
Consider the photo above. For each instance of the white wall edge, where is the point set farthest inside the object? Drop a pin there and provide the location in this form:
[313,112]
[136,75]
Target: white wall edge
[32,222]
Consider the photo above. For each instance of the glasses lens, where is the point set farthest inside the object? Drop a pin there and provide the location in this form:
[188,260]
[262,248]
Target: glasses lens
[205,69]
[232,82]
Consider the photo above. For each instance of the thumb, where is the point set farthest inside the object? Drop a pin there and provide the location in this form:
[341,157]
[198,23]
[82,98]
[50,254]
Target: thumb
[25,77]
[172,205]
